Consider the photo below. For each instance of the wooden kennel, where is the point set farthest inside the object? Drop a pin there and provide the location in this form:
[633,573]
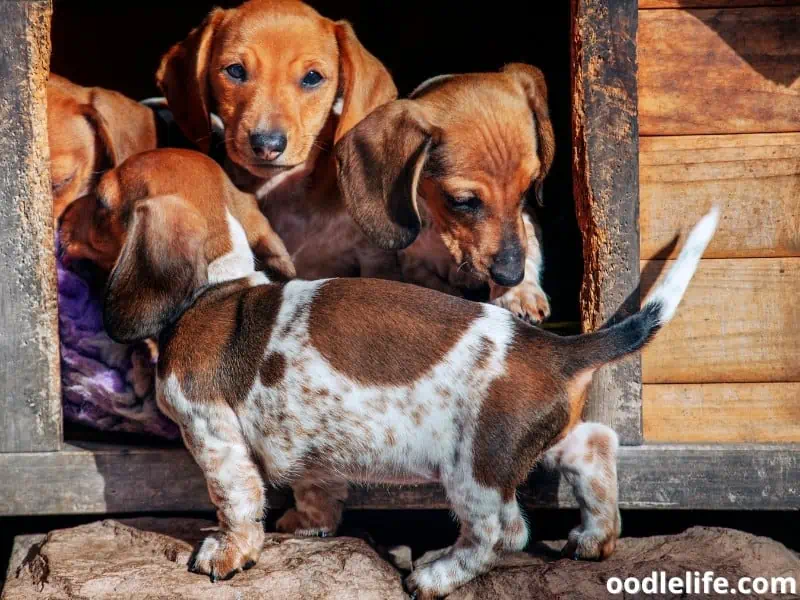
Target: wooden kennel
[710,414]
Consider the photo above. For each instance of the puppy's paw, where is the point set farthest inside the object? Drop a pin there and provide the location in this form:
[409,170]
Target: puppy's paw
[299,524]
[421,584]
[526,301]
[220,557]
[590,545]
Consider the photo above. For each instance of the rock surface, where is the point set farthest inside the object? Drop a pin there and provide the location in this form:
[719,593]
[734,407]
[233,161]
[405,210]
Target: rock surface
[146,559]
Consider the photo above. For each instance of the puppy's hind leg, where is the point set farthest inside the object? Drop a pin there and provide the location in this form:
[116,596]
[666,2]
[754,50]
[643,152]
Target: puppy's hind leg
[479,509]
[586,457]
[318,507]
[236,488]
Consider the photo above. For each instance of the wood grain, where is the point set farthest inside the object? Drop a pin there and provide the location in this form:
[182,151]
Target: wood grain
[114,479]
[719,71]
[605,182]
[721,412]
[738,323]
[30,392]
[646,4]
[754,177]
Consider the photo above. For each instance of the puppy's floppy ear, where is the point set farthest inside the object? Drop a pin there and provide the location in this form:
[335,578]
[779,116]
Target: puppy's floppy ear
[379,164]
[160,267]
[108,145]
[365,84]
[183,78]
[533,83]
[123,126]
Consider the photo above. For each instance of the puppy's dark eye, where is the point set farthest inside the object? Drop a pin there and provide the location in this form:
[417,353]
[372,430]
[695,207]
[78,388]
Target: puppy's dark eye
[236,71]
[466,204]
[312,79]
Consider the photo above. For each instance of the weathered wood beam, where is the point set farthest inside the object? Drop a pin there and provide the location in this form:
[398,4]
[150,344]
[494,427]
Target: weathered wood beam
[606,188]
[113,479]
[30,391]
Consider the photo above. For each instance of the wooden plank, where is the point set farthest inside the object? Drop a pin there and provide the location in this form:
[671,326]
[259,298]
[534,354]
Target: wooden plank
[738,323]
[719,71]
[646,4]
[606,189]
[30,392]
[115,479]
[721,412]
[755,177]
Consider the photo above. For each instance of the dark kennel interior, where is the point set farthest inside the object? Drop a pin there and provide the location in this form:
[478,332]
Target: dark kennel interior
[119,45]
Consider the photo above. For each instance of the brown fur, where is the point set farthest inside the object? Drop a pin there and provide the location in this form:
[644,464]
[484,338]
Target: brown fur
[375,317]
[277,42]
[90,130]
[525,411]
[229,331]
[485,135]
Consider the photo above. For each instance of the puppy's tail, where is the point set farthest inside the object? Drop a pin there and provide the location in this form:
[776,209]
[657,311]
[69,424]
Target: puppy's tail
[613,342]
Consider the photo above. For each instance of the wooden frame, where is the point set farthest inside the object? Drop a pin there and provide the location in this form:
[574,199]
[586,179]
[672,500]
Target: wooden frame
[38,476]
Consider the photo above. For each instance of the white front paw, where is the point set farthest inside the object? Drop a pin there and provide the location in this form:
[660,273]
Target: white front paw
[526,301]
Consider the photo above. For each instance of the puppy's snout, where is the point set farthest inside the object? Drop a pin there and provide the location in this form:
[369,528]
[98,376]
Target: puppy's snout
[268,145]
[508,266]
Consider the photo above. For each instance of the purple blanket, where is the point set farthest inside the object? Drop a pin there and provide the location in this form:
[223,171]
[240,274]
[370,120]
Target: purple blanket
[105,385]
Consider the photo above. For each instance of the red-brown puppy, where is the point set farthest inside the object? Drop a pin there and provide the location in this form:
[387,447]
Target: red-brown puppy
[444,178]
[89,131]
[95,226]
[357,379]
[287,83]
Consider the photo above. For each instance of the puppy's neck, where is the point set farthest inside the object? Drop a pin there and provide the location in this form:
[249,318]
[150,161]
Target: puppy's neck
[239,262]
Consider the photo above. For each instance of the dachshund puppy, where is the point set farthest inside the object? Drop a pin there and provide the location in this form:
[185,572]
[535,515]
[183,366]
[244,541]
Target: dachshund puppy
[95,226]
[286,83]
[89,131]
[365,380]
[444,177]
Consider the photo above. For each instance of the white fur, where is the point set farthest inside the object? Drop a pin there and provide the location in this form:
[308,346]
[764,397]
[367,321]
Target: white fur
[671,290]
[237,263]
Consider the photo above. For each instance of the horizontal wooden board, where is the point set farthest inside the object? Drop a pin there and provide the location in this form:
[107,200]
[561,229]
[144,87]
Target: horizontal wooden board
[754,177]
[719,71]
[737,323]
[645,4]
[113,479]
[721,412]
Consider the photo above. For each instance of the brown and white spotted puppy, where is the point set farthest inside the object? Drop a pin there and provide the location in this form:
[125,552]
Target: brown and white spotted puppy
[443,178]
[317,383]
[95,227]
[286,83]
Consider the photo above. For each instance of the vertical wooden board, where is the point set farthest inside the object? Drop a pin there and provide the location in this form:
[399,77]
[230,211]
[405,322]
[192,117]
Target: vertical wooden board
[605,174]
[721,413]
[738,323]
[754,177]
[30,398]
[719,71]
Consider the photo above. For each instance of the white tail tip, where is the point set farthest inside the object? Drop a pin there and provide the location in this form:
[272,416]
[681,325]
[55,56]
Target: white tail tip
[671,290]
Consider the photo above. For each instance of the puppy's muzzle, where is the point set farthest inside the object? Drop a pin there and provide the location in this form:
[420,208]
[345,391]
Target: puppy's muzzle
[268,145]
[508,266]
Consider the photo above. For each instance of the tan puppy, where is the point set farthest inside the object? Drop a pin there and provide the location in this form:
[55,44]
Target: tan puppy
[95,226]
[287,83]
[444,177]
[323,382]
[89,131]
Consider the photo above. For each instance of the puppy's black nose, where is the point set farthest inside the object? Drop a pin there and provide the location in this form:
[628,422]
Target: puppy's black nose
[508,267]
[268,144]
